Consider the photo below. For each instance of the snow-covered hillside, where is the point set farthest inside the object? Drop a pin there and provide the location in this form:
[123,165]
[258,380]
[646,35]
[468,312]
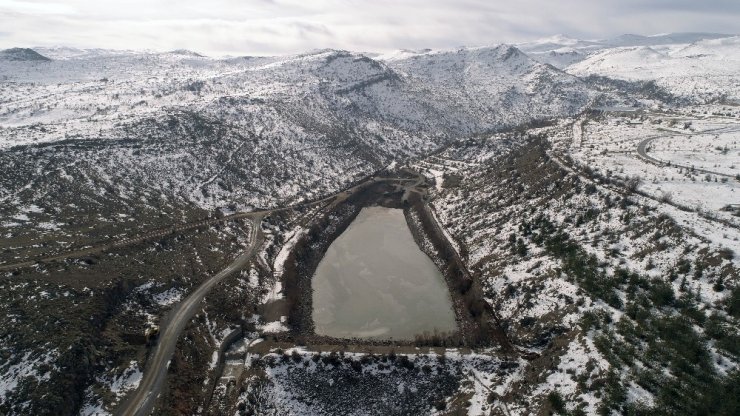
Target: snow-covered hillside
[490,85]
[319,113]
[302,107]
[708,69]
[700,66]
[558,249]
[110,133]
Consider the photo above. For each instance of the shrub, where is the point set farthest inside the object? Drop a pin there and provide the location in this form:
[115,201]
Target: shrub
[440,405]
[732,303]
[661,293]
[726,253]
[633,183]
[556,401]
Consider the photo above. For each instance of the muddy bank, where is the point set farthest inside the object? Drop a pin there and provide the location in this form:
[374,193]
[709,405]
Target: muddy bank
[303,260]
[475,322]
[478,324]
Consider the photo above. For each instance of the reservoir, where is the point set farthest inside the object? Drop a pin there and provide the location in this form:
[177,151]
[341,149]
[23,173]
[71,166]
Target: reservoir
[375,282]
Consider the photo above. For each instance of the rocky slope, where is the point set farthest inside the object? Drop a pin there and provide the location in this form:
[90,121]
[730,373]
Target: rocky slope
[99,145]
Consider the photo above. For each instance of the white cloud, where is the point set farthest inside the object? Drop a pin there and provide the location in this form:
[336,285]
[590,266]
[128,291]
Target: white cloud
[35,7]
[288,26]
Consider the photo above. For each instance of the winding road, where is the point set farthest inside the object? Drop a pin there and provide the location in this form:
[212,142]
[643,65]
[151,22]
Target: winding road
[142,401]
[642,152]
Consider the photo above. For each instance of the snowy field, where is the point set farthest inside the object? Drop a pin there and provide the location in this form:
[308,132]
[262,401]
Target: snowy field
[708,145]
[717,152]
[706,69]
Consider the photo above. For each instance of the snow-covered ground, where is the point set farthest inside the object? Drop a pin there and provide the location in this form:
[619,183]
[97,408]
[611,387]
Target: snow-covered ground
[495,201]
[697,66]
[124,139]
[610,144]
[705,69]
[718,152]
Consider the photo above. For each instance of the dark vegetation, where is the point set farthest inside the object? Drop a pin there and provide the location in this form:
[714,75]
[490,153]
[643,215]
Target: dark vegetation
[89,316]
[388,384]
[424,383]
[22,54]
[657,331]
[667,341]
[633,89]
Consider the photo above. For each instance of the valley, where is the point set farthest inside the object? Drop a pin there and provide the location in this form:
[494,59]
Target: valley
[550,227]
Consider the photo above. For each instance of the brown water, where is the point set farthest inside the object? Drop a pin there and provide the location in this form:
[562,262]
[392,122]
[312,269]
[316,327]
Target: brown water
[375,282]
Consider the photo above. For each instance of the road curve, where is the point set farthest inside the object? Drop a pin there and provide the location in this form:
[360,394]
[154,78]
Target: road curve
[642,153]
[142,401]
[161,232]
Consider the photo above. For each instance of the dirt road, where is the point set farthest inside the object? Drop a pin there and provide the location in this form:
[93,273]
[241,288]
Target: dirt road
[642,152]
[142,401]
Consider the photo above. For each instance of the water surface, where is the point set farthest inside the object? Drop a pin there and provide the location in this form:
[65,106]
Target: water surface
[375,282]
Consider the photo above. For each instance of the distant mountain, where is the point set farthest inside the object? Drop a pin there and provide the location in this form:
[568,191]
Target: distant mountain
[560,58]
[562,51]
[555,43]
[708,69]
[22,54]
[66,52]
[490,86]
[186,52]
[564,43]
[662,39]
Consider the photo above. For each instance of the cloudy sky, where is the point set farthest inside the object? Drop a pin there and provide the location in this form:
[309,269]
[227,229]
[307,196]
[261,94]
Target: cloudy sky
[263,27]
